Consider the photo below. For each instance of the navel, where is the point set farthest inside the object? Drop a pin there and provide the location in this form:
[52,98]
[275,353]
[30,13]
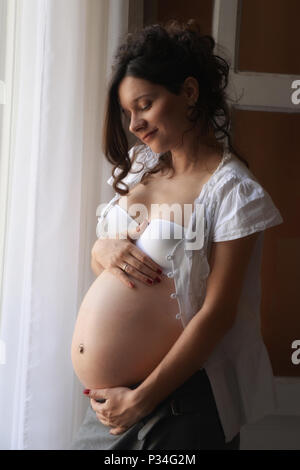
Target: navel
[81,348]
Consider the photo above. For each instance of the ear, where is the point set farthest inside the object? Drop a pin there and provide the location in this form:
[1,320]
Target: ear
[191,89]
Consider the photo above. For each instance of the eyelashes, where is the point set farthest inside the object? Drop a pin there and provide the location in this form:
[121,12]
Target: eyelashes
[143,109]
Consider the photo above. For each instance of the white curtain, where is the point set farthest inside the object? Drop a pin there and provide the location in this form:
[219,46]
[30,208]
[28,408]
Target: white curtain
[58,178]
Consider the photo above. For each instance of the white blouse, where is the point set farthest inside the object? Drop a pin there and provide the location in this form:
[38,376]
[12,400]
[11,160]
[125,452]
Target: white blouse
[232,204]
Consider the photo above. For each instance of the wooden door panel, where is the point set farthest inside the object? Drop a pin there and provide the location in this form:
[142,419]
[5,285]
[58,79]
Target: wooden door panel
[269,37]
[270,146]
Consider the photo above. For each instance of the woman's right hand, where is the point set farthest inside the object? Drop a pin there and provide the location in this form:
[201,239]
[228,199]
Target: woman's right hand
[114,253]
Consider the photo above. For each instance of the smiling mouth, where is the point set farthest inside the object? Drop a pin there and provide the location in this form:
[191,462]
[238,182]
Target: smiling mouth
[150,135]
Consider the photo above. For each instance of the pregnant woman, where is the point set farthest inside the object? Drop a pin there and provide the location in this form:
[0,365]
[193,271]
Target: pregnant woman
[167,341]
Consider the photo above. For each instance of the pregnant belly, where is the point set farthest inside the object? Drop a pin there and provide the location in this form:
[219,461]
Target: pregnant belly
[121,334]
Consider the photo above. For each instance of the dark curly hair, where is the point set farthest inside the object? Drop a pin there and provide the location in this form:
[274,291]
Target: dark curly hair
[166,54]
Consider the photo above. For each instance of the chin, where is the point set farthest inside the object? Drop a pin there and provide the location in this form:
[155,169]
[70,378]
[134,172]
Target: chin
[157,148]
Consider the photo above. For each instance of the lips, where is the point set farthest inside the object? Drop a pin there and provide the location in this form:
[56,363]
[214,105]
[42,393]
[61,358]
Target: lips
[149,135]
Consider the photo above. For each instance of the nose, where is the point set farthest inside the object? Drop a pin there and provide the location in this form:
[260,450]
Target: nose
[136,124]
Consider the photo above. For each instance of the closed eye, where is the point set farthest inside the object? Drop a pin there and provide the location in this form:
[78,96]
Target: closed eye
[143,109]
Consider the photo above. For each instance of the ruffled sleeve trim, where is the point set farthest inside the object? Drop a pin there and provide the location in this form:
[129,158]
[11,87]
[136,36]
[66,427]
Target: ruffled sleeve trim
[244,207]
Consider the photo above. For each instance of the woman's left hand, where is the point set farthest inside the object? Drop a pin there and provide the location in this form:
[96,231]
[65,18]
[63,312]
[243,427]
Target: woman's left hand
[120,409]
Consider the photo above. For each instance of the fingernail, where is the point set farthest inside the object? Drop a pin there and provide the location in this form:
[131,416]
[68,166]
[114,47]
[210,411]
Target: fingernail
[131,284]
[157,279]
[149,281]
[159,271]
[86,391]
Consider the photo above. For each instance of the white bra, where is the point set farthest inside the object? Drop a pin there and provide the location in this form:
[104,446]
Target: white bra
[158,239]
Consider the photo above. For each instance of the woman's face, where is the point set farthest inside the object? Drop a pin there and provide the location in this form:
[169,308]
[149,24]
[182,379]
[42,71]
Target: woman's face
[150,106]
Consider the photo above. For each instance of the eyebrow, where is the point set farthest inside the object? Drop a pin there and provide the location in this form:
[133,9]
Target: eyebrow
[136,99]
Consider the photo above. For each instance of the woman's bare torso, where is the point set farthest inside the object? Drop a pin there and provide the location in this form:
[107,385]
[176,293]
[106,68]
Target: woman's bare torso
[121,334]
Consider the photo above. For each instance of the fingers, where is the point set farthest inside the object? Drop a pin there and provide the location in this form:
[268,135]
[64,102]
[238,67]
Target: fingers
[101,415]
[117,431]
[102,418]
[145,260]
[119,273]
[115,255]
[100,410]
[139,266]
[140,271]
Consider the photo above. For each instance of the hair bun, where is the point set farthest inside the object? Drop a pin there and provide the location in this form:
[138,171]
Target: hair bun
[193,26]
[190,33]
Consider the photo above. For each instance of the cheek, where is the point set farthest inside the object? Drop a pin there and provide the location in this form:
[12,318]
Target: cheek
[169,116]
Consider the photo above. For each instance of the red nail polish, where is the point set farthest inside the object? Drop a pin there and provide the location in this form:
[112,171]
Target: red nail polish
[159,271]
[149,281]
[86,391]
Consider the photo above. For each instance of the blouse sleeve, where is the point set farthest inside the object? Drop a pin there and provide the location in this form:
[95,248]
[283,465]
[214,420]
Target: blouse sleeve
[244,208]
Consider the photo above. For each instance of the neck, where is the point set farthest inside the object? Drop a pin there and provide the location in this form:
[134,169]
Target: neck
[194,155]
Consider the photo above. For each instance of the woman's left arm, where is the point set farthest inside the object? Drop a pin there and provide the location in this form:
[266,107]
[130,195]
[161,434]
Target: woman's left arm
[228,262]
